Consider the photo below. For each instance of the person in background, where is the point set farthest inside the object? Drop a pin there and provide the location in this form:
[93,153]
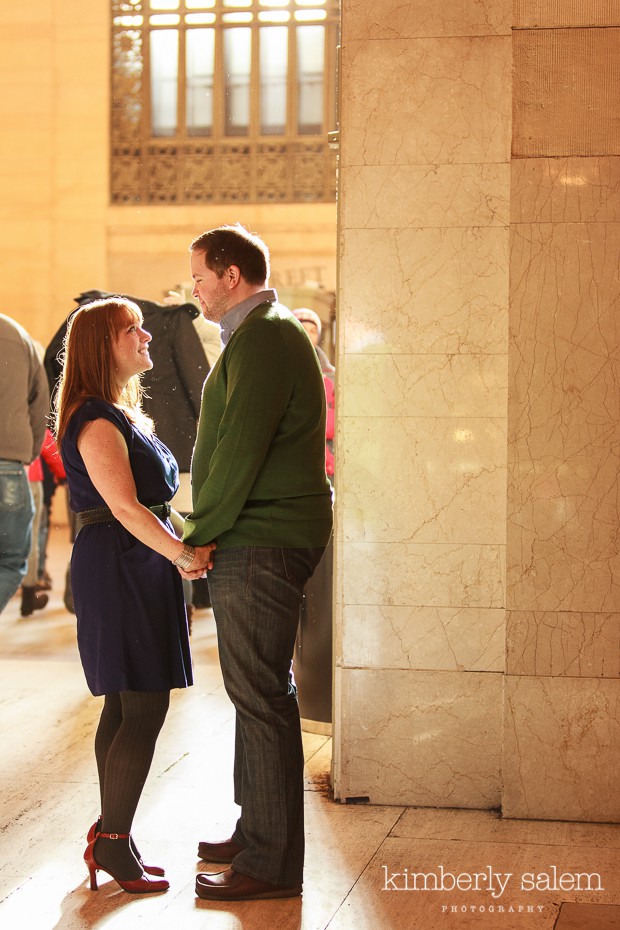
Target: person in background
[313,656]
[311,322]
[132,630]
[32,598]
[209,335]
[23,411]
[260,492]
[50,485]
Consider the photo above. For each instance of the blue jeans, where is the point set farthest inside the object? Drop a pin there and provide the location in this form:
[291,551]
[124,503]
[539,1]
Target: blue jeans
[256,594]
[16,512]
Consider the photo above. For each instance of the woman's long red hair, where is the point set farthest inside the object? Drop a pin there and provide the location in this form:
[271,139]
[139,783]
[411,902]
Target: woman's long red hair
[88,365]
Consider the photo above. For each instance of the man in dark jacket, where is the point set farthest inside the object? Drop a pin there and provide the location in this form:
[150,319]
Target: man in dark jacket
[173,387]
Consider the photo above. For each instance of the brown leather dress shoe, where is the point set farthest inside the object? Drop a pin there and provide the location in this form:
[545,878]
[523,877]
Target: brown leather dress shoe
[219,852]
[233,886]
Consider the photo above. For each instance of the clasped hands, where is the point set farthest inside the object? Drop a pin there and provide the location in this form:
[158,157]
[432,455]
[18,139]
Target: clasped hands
[202,562]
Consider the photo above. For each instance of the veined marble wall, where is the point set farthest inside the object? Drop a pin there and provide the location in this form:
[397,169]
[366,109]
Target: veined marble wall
[442,698]
[562,727]
[422,379]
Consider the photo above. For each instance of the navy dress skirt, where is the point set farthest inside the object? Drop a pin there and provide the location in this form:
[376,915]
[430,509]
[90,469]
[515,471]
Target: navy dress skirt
[131,623]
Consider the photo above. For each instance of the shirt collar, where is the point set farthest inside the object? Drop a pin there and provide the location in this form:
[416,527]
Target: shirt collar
[235,316]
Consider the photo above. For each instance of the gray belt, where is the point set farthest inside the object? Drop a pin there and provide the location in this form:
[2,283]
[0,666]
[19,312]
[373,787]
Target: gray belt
[105,515]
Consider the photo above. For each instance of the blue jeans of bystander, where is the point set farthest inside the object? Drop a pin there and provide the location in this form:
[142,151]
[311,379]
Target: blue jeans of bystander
[16,512]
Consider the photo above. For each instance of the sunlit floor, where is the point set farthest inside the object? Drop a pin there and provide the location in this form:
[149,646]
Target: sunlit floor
[364,864]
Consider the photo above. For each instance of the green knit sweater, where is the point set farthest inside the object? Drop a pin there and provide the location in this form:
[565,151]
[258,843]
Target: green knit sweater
[258,469]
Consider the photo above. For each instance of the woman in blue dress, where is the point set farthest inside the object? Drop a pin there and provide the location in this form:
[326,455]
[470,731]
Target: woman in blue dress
[131,624]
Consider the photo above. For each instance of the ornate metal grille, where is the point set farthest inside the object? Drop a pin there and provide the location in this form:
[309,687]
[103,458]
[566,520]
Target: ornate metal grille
[203,116]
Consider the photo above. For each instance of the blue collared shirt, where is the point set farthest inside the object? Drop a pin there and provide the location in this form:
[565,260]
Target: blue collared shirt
[237,314]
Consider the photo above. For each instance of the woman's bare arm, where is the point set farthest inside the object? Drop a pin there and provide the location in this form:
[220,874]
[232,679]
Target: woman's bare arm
[105,455]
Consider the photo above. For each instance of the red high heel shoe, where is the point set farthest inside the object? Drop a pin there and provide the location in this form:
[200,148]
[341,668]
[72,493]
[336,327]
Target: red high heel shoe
[149,869]
[142,885]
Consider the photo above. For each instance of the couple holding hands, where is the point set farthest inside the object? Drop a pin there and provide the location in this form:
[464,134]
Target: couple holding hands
[261,518]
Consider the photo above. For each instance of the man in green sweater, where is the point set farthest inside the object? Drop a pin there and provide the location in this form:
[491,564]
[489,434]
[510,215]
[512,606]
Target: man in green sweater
[261,493]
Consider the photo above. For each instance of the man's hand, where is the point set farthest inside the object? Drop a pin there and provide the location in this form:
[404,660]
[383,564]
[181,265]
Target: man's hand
[192,576]
[201,563]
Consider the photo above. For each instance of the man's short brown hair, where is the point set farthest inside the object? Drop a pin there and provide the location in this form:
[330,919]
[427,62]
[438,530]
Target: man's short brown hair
[234,245]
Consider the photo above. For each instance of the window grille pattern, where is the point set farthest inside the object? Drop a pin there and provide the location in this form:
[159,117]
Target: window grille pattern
[223,101]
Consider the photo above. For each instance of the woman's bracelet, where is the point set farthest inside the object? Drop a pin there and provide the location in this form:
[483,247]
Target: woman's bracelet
[186,558]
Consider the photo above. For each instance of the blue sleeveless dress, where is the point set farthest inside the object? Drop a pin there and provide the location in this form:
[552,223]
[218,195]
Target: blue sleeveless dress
[131,623]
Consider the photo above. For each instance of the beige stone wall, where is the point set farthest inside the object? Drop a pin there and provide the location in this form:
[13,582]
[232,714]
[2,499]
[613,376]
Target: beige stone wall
[148,254]
[566,91]
[422,377]
[58,233]
[54,63]
[562,735]
[479,407]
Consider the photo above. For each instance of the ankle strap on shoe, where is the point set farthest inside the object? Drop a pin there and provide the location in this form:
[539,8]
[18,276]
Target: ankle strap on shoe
[113,836]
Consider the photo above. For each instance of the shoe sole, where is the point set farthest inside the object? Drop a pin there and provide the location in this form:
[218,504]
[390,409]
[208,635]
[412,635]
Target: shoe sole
[262,896]
[217,859]
[147,891]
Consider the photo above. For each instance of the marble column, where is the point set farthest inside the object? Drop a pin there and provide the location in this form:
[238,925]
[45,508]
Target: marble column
[562,729]
[422,379]
[477,596]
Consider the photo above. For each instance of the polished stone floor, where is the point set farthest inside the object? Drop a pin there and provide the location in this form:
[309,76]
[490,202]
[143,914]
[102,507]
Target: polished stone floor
[368,868]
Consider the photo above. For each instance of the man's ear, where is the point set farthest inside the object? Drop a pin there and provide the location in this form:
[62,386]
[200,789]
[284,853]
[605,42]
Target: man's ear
[233,275]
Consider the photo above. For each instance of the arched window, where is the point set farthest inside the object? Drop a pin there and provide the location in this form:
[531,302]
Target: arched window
[219,101]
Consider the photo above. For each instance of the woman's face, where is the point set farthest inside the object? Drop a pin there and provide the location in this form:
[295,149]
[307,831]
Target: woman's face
[312,330]
[131,351]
